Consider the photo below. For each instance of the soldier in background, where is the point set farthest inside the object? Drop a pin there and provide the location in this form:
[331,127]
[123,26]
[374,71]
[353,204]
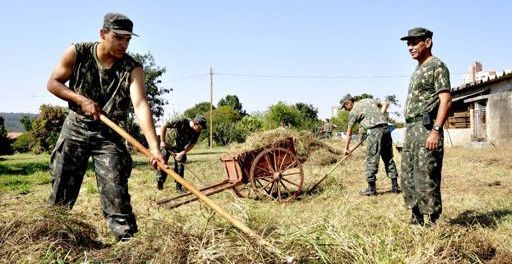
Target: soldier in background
[426,110]
[183,136]
[367,113]
[102,78]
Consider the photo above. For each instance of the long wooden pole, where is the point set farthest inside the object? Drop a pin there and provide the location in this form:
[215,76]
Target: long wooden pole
[211,107]
[246,230]
[335,166]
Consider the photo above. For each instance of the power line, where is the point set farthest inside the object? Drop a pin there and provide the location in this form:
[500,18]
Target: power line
[269,76]
[190,77]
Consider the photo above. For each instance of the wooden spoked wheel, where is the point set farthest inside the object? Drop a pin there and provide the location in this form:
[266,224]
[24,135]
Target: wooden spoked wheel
[276,173]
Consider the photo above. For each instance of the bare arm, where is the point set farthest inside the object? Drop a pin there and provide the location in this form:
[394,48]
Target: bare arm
[143,112]
[384,106]
[349,138]
[163,134]
[445,99]
[60,75]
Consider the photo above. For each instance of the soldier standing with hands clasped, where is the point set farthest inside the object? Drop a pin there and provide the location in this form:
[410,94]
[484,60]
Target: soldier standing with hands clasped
[427,105]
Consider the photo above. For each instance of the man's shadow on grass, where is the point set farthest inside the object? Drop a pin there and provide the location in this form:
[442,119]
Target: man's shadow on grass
[487,220]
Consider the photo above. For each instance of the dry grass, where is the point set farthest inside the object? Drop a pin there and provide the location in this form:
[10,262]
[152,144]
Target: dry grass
[332,225]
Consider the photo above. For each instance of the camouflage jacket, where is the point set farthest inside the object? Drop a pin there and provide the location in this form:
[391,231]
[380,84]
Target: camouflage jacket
[181,134]
[367,113]
[109,88]
[427,81]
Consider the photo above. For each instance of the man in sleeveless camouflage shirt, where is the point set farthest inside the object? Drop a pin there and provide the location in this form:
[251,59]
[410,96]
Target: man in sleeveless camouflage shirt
[183,136]
[103,78]
[426,110]
[369,113]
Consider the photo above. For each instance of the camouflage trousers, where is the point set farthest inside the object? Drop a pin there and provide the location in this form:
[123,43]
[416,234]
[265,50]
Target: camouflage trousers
[179,167]
[379,145]
[421,170]
[80,139]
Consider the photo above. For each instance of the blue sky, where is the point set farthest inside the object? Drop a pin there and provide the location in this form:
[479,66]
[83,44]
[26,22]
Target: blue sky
[263,51]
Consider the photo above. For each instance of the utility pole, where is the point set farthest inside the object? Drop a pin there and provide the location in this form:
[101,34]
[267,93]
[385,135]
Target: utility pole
[211,107]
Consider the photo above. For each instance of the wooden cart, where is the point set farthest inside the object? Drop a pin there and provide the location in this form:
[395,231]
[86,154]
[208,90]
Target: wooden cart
[271,172]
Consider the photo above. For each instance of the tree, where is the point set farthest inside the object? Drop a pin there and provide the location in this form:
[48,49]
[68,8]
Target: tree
[246,126]
[199,109]
[26,121]
[362,96]
[46,127]
[341,120]
[224,122]
[282,112]
[152,83]
[5,143]
[233,102]
[308,115]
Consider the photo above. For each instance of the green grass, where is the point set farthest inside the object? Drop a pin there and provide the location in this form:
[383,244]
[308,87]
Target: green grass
[332,225]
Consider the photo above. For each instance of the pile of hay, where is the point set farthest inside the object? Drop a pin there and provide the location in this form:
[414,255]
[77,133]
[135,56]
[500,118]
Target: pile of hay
[304,141]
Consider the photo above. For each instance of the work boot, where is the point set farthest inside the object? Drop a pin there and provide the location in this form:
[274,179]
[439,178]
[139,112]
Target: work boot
[394,186]
[371,190]
[160,185]
[417,217]
[179,188]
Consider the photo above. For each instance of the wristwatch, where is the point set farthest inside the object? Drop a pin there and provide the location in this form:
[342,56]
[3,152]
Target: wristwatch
[436,128]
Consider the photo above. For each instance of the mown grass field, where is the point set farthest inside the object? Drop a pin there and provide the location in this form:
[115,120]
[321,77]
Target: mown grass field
[332,225]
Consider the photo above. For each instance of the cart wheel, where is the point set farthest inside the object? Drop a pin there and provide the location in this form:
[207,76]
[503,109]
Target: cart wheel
[276,173]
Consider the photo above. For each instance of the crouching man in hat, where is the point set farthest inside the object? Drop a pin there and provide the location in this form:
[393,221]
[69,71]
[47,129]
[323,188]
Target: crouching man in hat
[426,110]
[367,113]
[183,135]
[103,78]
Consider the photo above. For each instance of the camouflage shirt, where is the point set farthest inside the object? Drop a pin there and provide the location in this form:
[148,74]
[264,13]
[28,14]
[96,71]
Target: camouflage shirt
[109,88]
[181,134]
[427,81]
[367,113]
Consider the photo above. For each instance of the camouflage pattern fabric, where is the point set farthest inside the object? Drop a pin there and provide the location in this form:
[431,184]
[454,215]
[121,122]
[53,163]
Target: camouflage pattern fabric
[366,113]
[179,137]
[426,82]
[80,139]
[421,170]
[109,88]
[379,144]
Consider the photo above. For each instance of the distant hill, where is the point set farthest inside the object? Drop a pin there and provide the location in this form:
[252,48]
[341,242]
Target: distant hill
[12,121]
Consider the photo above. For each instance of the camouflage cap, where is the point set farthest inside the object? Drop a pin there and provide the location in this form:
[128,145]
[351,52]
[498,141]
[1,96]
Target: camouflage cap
[418,32]
[118,23]
[345,99]
[199,119]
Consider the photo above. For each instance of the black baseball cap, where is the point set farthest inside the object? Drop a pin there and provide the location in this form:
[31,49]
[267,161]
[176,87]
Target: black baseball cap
[118,23]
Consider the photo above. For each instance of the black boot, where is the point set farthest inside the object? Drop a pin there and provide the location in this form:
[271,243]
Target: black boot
[394,186]
[417,216]
[371,190]
[159,185]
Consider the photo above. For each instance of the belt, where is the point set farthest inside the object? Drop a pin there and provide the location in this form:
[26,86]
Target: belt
[379,126]
[413,119]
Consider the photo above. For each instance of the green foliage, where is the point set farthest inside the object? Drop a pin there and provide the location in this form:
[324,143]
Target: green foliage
[361,97]
[224,122]
[282,112]
[24,143]
[341,120]
[308,116]
[26,121]
[233,102]
[5,144]
[153,84]
[46,127]
[199,109]
[246,126]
